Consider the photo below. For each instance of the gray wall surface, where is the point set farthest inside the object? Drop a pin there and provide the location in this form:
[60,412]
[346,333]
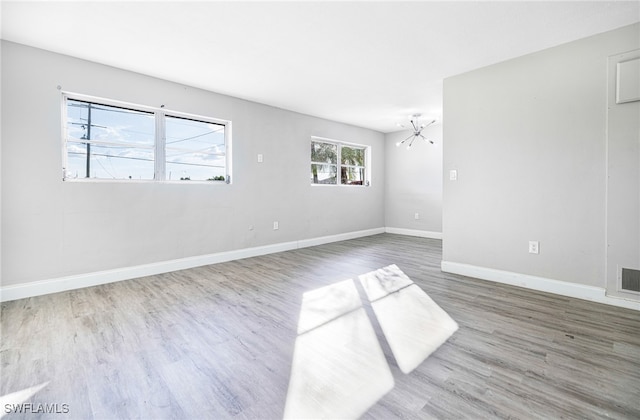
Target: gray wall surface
[528,139]
[414,181]
[623,179]
[52,228]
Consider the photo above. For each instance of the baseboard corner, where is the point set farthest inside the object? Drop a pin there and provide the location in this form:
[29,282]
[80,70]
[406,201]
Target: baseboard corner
[414,232]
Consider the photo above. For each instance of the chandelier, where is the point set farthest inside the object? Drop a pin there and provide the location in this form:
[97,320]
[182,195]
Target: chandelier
[417,131]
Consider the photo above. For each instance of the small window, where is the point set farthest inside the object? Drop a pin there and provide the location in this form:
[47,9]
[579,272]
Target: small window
[109,142]
[352,165]
[105,140]
[195,150]
[324,163]
[335,163]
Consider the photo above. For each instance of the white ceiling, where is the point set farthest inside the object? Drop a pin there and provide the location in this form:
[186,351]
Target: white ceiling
[369,64]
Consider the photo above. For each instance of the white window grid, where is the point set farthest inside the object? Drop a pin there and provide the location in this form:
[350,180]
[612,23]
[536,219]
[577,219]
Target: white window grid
[338,165]
[159,146]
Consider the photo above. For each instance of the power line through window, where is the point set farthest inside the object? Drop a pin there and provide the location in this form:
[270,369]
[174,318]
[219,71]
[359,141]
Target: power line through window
[111,140]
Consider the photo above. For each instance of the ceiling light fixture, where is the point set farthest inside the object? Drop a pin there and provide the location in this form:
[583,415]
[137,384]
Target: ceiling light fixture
[417,131]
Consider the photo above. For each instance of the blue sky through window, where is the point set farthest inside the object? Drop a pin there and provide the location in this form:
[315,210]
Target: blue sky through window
[122,144]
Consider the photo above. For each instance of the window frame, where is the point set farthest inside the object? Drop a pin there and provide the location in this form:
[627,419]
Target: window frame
[366,182]
[159,143]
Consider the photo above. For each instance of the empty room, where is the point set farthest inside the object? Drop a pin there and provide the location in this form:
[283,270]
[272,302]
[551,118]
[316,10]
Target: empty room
[320,209]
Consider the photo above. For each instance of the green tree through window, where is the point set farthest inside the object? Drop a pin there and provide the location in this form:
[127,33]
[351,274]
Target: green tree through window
[327,157]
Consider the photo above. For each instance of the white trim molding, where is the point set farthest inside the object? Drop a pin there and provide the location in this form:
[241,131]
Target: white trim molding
[44,287]
[414,232]
[574,290]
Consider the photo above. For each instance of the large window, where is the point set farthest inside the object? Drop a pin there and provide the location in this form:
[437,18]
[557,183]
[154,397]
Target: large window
[336,163]
[109,140]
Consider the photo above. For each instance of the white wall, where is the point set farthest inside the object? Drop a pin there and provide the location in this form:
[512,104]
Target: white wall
[52,229]
[414,184]
[1,206]
[528,139]
[623,177]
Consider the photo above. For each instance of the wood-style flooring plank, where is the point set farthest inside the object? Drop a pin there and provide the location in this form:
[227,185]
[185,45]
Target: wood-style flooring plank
[217,342]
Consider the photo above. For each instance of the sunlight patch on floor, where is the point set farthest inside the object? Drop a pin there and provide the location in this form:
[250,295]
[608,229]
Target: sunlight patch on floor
[413,324]
[339,369]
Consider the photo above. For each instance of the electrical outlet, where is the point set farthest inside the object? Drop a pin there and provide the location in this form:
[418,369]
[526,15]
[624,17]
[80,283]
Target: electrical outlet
[417,216]
[453,175]
[534,247]
[260,158]
[276,226]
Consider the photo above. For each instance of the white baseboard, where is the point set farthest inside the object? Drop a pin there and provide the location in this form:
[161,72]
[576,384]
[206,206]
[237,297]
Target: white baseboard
[37,288]
[414,232]
[304,243]
[574,290]
[25,290]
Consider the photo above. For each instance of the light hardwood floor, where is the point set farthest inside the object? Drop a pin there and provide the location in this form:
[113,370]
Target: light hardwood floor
[217,342]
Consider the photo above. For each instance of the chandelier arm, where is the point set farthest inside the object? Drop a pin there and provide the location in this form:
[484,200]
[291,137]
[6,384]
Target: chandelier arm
[415,128]
[426,139]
